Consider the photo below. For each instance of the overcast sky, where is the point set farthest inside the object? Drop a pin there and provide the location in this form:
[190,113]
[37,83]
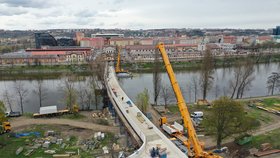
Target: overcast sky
[138,14]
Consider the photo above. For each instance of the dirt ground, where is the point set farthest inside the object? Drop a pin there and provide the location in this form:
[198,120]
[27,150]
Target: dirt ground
[76,125]
[64,130]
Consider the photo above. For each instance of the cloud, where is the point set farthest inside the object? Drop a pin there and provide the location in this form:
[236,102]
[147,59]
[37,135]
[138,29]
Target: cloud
[27,3]
[127,14]
[86,13]
[7,11]
[118,1]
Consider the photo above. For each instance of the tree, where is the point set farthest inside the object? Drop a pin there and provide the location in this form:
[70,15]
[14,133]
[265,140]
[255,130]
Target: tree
[166,94]
[243,77]
[97,79]
[40,91]
[2,112]
[273,81]
[22,92]
[8,99]
[98,68]
[226,118]
[82,94]
[206,79]
[95,89]
[142,100]
[195,87]
[156,77]
[70,92]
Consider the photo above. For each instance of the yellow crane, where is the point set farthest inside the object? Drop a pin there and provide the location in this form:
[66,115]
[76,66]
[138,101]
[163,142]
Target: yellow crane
[192,137]
[118,65]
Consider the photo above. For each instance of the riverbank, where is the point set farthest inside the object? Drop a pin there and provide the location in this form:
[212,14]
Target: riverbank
[42,71]
[54,71]
[219,62]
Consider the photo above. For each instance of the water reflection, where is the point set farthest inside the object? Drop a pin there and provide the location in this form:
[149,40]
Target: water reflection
[220,85]
[132,86]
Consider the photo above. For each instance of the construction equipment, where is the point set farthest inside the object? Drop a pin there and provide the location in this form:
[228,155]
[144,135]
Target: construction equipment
[192,137]
[5,127]
[203,102]
[119,71]
[118,68]
[48,111]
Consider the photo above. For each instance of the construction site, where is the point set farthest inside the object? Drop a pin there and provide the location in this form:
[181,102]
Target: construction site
[124,129]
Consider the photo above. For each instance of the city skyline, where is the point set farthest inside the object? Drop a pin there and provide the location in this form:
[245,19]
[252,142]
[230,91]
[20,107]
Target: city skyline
[125,14]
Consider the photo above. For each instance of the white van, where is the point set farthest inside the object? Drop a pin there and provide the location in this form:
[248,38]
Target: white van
[197,114]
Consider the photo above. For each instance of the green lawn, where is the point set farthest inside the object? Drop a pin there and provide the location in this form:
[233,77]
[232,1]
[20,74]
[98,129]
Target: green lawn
[259,115]
[271,137]
[270,102]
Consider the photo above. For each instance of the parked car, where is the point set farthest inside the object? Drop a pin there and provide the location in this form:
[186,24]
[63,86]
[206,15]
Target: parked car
[13,114]
[197,114]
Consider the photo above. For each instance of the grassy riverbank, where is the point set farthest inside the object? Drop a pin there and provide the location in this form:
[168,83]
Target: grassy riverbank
[196,64]
[54,71]
[42,71]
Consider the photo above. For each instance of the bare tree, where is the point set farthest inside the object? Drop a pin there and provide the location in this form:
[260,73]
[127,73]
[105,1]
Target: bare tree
[156,77]
[195,87]
[273,81]
[98,68]
[40,91]
[142,100]
[217,90]
[166,94]
[97,79]
[22,92]
[82,91]
[243,76]
[8,99]
[206,79]
[70,92]
[95,89]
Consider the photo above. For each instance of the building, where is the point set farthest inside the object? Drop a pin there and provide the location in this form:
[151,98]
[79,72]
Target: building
[96,42]
[263,39]
[64,54]
[28,59]
[121,41]
[276,31]
[107,37]
[65,41]
[79,36]
[175,52]
[229,39]
[44,39]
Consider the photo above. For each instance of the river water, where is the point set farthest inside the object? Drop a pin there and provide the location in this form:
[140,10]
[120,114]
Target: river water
[222,77]
[133,86]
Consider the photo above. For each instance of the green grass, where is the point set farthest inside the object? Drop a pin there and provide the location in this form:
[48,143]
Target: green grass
[29,115]
[173,109]
[271,101]
[259,115]
[271,137]
[108,139]
[11,144]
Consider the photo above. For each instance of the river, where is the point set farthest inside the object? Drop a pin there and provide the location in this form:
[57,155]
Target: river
[222,77]
[133,86]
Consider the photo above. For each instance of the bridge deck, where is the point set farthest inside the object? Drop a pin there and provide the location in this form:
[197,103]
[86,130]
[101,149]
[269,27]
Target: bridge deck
[143,127]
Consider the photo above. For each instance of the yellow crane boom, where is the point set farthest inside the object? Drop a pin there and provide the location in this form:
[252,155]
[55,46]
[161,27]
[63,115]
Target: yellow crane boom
[192,137]
[118,65]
